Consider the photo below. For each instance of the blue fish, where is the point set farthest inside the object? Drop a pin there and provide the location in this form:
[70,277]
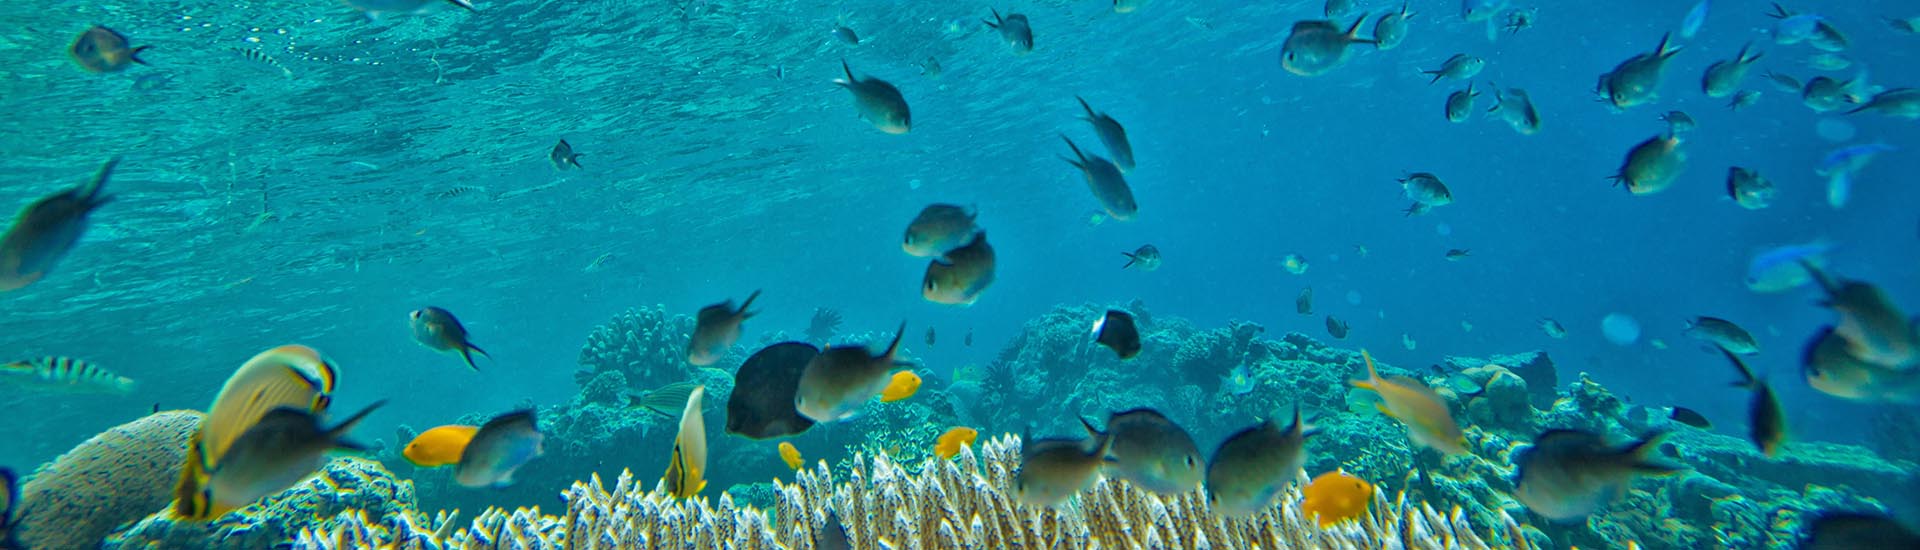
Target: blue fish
[1840,166]
[1695,18]
[1780,269]
[1793,28]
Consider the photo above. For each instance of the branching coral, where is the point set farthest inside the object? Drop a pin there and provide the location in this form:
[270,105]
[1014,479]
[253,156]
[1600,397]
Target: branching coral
[118,476]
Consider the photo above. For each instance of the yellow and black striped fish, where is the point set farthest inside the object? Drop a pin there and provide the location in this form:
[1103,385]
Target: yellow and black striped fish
[686,470]
[67,373]
[287,376]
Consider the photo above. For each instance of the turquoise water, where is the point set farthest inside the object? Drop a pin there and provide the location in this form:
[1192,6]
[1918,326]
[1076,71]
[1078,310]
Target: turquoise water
[375,167]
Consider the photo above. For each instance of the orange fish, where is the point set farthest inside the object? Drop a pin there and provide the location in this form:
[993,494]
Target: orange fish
[905,383]
[1335,497]
[440,446]
[950,443]
[791,455]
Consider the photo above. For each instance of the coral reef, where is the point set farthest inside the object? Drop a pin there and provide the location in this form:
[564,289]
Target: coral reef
[118,476]
[645,345]
[344,485]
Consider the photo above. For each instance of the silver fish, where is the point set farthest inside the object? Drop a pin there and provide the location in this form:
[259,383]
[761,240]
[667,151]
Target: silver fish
[499,449]
[1250,470]
[716,328]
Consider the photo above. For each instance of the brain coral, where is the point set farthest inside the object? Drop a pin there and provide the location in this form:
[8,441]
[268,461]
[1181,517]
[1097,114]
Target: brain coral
[121,475]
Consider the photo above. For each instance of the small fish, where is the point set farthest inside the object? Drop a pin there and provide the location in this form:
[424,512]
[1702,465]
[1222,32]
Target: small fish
[687,468]
[1696,18]
[1111,134]
[1391,30]
[949,443]
[1784,83]
[1792,28]
[791,455]
[1636,81]
[1516,107]
[437,329]
[380,8]
[48,229]
[1054,470]
[1127,6]
[940,228]
[1338,8]
[285,446]
[1296,264]
[1830,367]
[1337,328]
[1873,328]
[1520,20]
[1841,165]
[1335,497]
[66,373]
[1553,329]
[1765,419]
[1568,474]
[286,376]
[1147,449]
[1147,257]
[102,50]
[1105,180]
[1314,47]
[1858,531]
[264,60]
[1827,37]
[879,103]
[1898,102]
[1406,341]
[439,446]
[846,35]
[1457,254]
[667,400]
[1909,25]
[1116,331]
[1250,470]
[716,328]
[1687,416]
[1678,122]
[841,379]
[1652,166]
[1723,333]
[1014,30]
[929,336]
[1460,104]
[1749,189]
[903,385]
[967,273]
[1360,250]
[1829,62]
[761,404]
[1723,78]
[930,67]
[563,157]
[1743,99]
[1238,381]
[969,340]
[1303,304]
[1826,94]
[598,263]
[1781,268]
[1459,67]
[1426,189]
[1414,404]
[498,449]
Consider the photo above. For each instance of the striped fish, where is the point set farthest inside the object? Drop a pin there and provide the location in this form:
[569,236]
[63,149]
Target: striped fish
[266,61]
[286,376]
[68,373]
[685,471]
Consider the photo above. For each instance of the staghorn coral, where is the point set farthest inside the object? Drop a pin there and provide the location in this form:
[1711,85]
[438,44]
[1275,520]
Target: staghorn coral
[646,345]
[343,485]
[118,476]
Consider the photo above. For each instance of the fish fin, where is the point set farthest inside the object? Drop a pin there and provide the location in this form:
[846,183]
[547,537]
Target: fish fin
[893,349]
[1081,164]
[849,82]
[1664,53]
[192,498]
[345,426]
[1436,76]
[743,305]
[135,55]
[1130,259]
[1382,407]
[995,23]
[1819,276]
[1353,31]
[464,4]
[1089,108]
[575,160]
[1747,379]
[1643,455]
[466,352]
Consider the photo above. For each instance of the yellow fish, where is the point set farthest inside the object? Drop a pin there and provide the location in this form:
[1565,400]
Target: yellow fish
[1428,421]
[950,443]
[791,455]
[287,376]
[686,469]
[905,383]
[439,446]
[1335,497]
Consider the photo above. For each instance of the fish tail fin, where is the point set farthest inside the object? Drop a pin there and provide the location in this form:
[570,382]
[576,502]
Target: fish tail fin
[1779,12]
[1436,75]
[1665,41]
[1643,456]
[1747,379]
[1084,105]
[1372,375]
[893,349]
[467,351]
[1092,431]
[464,4]
[995,23]
[574,159]
[1076,152]
[1353,31]
[1819,276]
[749,302]
[1745,59]
[192,499]
[1300,426]
[135,55]
[90,193]
[1131,259]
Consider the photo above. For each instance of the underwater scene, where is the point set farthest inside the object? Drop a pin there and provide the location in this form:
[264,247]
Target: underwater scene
[1062,274]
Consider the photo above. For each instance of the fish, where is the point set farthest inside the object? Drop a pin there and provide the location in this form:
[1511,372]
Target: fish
[1116,331]
[1297,264]
[930,67]
[1743,99]
[1249,471]
[1459,67]
[938,229]
[1238,381]
[929,336]
[563,157]
[1678,122]
[1652,166]
[10,511]
[285,446]
[1723,77]
[1827,37]
[1054,470]
[761,403]
[66,373]
[1829,62]
[1014,30]
[437,329]
[1147,257]
[1872,327]
[846,35]
[1460,104]
[716,328]
[1303,304]
[1427,189]
[1841,165]
[1825,94]
[1553,329]
[1335,497]
[1149,450]
[499,448]
[1127,6]
[838,381]
[1474,11]
[47,230]
[1898,102]
[1909,25]
[1749,189]
[1337,328]
[969,340]
[878,102]
[1112,135]
[666,400]
[1723,333]
[103,50]
[966,274]
[1519,20]
[1766,422]
[950,442]
[1831,368]
[832,535]
[791,455]
[1406,341]
[903,385]
[1412,403]
[1516,107]
[1696,18]
[439,446]
[261,60]
[1784,83]
[1857,531]
[686,469]
[1314,47]
[1337,8]
[286,376]
[1687,416]
[1105,180]
[1636,81]
[1391,30]
[1792,28]
[1457,254]
[379,8]
[1780,269]
[1568,474]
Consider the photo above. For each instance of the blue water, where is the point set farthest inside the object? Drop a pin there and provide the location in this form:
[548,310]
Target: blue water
[707,177]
